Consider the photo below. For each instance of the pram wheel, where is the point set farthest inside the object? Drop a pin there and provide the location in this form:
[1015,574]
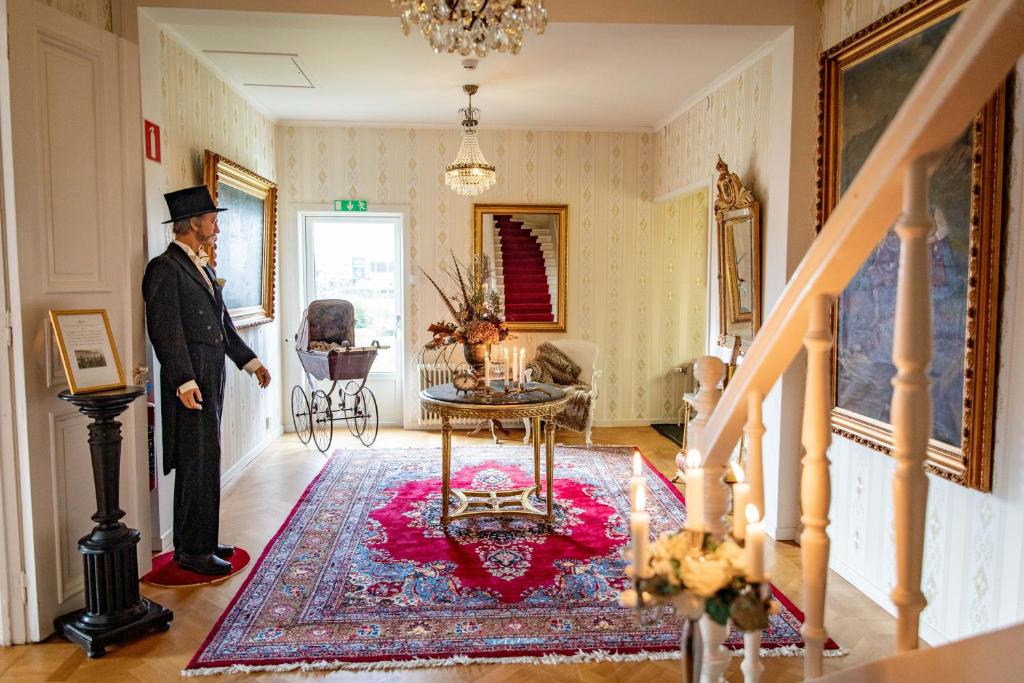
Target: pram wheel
[322,420]
[366,410]
[300,414]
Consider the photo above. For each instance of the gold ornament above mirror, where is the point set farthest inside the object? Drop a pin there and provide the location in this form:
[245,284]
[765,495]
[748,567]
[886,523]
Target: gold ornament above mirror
[737,215]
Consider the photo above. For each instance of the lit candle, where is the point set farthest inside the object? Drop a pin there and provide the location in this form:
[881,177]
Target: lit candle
[640,526]
[514,372]
[487,369]
[637,482]
[522,367]
[740,498]
[694,491]
[504,373]
[754,545]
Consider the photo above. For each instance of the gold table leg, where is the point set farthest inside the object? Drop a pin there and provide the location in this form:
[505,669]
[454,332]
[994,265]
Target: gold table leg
[549,467]
[536,452]
[446,467]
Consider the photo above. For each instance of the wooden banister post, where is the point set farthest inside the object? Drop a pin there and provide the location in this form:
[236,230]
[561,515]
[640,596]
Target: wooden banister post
[753,430]
[911,409]
[815,485]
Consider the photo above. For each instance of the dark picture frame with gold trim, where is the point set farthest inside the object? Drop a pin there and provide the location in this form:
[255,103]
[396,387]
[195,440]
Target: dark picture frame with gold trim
[552,221]
[88,350]
[247,244]
[863,80]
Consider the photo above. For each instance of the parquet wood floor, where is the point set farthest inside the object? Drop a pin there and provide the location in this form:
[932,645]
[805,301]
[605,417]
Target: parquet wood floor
[255,504]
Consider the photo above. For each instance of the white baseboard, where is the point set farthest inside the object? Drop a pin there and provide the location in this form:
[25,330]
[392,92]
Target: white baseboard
[646,422]
[235,469]
[928,634]
[165,541]
[786,533]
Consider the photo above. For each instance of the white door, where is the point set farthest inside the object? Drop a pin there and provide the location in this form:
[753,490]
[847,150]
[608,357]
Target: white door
[75,242]
[359,258]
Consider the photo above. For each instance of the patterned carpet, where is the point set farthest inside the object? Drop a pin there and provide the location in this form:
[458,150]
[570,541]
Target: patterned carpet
[360,575]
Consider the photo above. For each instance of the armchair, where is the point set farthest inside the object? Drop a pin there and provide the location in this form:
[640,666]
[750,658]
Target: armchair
[579,413]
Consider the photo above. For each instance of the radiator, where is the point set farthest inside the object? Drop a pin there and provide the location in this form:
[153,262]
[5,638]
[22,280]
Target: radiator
[431,375]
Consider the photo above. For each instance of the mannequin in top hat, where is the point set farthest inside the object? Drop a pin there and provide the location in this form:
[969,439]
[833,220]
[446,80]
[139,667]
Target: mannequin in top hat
[191,333]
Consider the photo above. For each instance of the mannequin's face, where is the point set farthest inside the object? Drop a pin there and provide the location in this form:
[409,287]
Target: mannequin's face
[206,228]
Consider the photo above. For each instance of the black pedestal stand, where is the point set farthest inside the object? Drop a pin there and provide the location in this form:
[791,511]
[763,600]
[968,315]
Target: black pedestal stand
[114,610]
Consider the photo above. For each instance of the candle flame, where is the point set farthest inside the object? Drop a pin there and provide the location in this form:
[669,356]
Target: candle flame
[693,459]
[636,463]
[737,472]
[641,499]
[752,514]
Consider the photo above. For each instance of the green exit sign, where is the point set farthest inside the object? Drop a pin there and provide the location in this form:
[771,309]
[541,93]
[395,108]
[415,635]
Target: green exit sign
[350,205]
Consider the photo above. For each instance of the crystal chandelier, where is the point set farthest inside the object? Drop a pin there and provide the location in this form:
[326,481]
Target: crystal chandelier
[469,174]
[473,26]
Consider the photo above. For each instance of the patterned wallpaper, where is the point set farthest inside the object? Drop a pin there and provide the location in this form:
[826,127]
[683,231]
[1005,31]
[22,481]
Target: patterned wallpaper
[200,112]
[628,259]
[95,12]
[733,121]
[973,558]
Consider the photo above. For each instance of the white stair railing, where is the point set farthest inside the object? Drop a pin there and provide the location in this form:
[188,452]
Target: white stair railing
[975,57]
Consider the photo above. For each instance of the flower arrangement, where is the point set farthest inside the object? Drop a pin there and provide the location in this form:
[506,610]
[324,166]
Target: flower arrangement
[697,575]
[476,310]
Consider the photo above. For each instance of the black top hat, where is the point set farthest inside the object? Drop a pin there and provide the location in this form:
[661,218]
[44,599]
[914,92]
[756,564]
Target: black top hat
[192,201]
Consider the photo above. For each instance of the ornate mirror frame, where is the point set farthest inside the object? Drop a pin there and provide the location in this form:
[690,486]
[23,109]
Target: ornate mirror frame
[552,217]
[737,215]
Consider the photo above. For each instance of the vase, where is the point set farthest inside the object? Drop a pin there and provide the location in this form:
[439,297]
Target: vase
[475,355]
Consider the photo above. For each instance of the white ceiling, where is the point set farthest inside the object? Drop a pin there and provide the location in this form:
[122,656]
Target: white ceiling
[363,70]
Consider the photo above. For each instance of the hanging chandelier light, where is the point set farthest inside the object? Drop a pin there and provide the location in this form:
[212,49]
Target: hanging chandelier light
[469,174]
[473,26]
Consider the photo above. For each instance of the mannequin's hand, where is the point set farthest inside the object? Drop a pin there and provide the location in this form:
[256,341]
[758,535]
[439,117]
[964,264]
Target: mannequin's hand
[263,376]
[192,399]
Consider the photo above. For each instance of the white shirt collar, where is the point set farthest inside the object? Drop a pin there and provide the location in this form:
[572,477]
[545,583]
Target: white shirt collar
[188,250]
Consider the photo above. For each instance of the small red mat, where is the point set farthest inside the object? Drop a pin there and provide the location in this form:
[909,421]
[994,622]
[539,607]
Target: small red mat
[168,573]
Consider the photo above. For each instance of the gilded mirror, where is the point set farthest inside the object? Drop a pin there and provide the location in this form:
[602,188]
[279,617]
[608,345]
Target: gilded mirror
[739,258]
[525,246]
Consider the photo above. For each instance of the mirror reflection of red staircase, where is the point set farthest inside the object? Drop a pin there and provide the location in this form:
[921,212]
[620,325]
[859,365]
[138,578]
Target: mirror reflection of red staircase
[527,296]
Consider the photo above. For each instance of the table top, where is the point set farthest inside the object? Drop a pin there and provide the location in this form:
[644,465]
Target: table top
[536,394]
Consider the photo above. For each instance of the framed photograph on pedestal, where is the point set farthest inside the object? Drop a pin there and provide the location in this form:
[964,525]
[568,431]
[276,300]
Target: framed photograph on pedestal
[87,350]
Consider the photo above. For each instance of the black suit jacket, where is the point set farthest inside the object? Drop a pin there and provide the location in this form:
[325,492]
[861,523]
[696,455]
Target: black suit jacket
[191,332]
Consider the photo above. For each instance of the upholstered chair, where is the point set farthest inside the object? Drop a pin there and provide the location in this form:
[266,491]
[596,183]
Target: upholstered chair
[584,354]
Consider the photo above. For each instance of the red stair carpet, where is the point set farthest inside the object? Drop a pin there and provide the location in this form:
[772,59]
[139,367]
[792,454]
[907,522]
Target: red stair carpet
[527,297]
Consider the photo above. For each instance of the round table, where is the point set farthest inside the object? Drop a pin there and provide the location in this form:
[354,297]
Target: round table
[536,402]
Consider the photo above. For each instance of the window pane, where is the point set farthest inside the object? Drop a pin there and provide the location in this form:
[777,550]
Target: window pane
[356,261]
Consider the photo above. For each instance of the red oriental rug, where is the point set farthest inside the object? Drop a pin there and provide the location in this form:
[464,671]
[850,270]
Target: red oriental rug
[360,576]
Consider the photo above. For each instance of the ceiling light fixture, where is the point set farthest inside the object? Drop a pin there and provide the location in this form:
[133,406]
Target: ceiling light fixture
[469,174]
[473,26]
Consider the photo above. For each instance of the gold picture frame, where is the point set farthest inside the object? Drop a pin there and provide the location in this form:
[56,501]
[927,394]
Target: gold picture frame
[247,246]
[551,223]
[971,237]
[86,336]
[738,220]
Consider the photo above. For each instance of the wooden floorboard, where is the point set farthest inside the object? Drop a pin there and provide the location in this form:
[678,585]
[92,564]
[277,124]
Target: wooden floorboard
[256,503]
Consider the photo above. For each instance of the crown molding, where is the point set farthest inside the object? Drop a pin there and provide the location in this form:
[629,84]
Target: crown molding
[315,123]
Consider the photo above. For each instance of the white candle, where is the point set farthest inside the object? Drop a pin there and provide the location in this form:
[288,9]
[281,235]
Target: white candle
[694,491]
[487,368]
[740,498]
[504,373]
[514,372]
[754,545]
[522,367]
[637,481]
[640,526]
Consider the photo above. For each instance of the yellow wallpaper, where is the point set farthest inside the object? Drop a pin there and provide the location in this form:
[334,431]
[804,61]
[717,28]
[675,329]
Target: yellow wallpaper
[733,121]
[625,267]
[200,111]
[840,19]
[95,12]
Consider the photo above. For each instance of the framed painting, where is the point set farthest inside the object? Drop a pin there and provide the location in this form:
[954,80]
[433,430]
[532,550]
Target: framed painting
[526,247]
[87,350]
[247,244]
[864,80]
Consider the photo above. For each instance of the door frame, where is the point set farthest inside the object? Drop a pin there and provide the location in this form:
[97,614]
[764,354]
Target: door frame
[292,245]
[13,587]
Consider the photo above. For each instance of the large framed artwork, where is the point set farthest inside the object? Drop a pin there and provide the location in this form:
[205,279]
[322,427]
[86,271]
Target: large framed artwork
[526,247]
[247,244]
[864,80]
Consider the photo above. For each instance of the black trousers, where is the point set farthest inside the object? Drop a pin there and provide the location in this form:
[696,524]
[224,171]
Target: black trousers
[197,474]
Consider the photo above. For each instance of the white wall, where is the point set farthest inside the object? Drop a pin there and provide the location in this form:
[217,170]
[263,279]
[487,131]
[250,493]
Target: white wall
[973,557]
[197,110]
